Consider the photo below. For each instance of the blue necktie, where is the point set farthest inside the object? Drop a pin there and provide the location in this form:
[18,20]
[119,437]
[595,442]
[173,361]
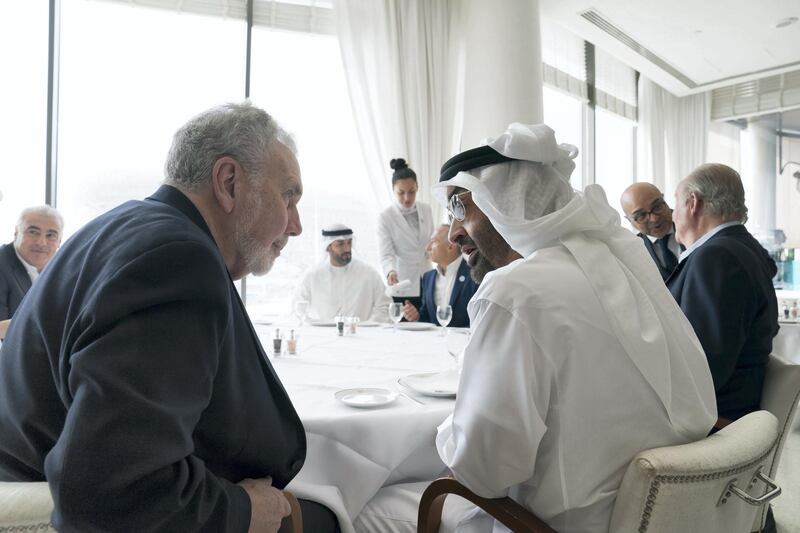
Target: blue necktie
[670,261]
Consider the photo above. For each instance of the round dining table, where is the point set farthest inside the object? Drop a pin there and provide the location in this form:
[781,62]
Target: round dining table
[354,451]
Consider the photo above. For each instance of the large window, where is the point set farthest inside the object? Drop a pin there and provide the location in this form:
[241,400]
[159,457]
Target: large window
[23,114]
[614,144]
[306,92]
[130,76]
[564,114]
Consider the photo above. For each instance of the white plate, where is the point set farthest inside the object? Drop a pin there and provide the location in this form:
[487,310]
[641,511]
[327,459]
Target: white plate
[415,326]
[368,324]
[365,398]
[262,322]
[323,323]
[436,384]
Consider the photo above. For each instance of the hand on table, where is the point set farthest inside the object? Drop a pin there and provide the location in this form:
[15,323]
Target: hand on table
[410,312]
[268,507]
[391,278]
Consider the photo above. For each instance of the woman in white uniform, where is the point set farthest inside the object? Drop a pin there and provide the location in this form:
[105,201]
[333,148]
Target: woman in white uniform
[404,229]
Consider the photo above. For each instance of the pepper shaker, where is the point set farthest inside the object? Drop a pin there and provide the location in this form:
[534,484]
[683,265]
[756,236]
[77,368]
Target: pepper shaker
[291,343]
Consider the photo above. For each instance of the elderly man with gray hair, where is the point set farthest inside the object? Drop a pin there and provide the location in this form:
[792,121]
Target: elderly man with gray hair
[723,284]
[37,236]
[132,380]
[578,359]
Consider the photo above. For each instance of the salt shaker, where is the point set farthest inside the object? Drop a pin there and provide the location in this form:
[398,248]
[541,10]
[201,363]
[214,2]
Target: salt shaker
[794,310]
[276,342]
[354,325]
[291,343]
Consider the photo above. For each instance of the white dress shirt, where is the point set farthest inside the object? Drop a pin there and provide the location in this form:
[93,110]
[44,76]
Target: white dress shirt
[699,242]
[672,244]
[33,273]
[445,282]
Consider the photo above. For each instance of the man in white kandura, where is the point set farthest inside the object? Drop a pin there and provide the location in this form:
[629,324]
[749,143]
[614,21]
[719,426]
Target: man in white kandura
[579,357]
[341,285]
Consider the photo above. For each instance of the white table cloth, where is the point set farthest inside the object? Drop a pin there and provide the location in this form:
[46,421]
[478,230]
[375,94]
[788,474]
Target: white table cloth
[354,452]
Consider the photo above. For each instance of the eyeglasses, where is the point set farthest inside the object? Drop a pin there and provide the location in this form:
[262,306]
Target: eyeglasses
[656,209]
[455,207]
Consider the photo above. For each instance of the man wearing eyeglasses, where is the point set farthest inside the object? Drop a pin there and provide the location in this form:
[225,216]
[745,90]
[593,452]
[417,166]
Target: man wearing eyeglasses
[36,238]
[646,210]
[577,349]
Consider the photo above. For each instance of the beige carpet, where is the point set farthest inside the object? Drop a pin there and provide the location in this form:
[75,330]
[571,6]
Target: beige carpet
[786,507]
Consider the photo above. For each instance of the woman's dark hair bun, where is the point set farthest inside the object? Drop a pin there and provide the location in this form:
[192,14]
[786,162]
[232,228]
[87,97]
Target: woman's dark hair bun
[398,163]
[401,170]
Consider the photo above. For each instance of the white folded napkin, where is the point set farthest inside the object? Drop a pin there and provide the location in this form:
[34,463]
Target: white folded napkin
[392,290]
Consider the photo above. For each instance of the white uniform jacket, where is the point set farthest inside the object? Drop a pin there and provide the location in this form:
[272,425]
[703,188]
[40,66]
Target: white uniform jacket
[402,248]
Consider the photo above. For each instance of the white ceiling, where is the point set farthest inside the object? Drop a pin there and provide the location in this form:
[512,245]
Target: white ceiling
[703,44]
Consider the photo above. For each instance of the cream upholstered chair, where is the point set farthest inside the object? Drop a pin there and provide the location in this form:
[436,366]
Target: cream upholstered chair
[27,507]
[780,396]
[714,485]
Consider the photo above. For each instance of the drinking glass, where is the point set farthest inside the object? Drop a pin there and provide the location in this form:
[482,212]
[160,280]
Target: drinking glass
[444,313]
[396,313]
[300,310]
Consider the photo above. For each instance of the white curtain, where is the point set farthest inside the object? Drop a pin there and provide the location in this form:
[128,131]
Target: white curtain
[724,145]
[672,135]
[401,71]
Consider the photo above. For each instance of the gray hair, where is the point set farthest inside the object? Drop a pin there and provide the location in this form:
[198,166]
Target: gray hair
[720,188]
[238,130]
[42,211]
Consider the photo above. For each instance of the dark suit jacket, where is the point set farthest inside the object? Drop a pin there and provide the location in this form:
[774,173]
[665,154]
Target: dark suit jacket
[463,289]
[652,251]
[724,288]
[132,380]
[14,281]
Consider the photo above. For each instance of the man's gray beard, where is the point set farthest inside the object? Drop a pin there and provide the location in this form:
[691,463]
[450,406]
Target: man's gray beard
[481,268]
[341,261]
[257,258]
[492,245]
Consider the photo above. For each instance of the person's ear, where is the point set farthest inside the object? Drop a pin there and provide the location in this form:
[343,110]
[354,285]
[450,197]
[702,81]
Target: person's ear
[226,175]
[695,204]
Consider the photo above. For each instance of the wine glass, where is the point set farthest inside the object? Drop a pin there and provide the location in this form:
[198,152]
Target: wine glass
[396,313]
[444,313]
[300,310]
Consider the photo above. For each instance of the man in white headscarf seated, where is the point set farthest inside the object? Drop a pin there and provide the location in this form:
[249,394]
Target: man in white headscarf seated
[341,285]
[579,357]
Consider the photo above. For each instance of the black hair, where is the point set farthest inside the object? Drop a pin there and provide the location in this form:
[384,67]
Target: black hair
[401,171]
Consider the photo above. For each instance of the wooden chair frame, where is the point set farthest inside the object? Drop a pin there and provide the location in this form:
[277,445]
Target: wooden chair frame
[294,522]
[504,510]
